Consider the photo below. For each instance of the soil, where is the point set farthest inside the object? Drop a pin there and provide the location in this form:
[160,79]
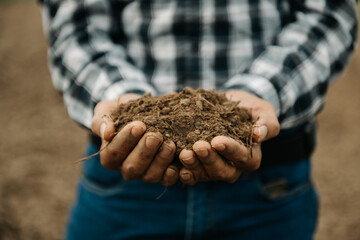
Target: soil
[39,142]
[188,116]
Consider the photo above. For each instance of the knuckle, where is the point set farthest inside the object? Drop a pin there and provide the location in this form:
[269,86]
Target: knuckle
[108,164]
[244,154]
[150,178]
[232,178]
[130,172]
[224,175]
[115,152]
[241,158]
[221,174]
[254,165]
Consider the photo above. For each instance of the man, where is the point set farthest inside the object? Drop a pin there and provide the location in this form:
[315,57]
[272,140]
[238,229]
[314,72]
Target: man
[277,57]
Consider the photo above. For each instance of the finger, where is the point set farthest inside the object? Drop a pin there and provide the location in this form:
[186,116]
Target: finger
[139,159]
[102,125]
[160,163]
[187,177]
[237,153]
[121,145]
[188,159]
[255,157]
[214,165]
[191,162]
[171,175]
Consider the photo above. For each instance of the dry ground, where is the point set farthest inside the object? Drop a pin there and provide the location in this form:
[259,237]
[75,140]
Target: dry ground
[38,142]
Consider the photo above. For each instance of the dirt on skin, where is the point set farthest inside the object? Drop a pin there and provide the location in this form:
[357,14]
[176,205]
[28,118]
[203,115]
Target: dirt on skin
[188,116]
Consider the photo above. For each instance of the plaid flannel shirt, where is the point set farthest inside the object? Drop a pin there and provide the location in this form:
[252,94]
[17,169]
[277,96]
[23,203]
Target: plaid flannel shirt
[286,52]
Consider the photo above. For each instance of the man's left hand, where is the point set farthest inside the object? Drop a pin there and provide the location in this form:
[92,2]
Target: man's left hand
[224,159]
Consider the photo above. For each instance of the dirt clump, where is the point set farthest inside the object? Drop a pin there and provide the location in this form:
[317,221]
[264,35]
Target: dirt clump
[188,116]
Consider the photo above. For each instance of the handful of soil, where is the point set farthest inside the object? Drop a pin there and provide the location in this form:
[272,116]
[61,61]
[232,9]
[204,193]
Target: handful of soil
[188,116]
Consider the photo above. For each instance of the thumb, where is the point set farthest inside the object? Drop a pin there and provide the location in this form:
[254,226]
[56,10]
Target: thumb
[266,127]
[260,133]
[102,125]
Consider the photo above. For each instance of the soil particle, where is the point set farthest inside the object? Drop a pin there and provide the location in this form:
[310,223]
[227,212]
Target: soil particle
[188,116]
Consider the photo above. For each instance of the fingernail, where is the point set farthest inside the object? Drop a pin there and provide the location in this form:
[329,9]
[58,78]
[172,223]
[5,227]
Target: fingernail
[202,152]
[261,132]
[102,130]
[170,172]
[185,176]
[165,150]
[137,131]
[189,160]
[152,141]
[219,147]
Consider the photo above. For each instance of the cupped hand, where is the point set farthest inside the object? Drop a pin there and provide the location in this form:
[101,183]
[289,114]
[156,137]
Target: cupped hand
[267,125]
[224,159]
[136,154]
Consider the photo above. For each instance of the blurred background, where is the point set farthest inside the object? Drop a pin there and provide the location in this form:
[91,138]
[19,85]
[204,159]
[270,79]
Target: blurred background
[39,142]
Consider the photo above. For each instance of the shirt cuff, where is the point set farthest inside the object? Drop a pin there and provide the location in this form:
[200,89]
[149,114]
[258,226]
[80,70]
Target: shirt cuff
[256,85]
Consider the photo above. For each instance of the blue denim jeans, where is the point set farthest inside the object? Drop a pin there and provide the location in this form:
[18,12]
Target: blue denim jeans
[274,203]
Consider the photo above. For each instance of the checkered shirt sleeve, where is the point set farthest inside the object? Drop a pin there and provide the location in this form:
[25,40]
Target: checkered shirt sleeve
[86,65]
[286,52]
[294,71]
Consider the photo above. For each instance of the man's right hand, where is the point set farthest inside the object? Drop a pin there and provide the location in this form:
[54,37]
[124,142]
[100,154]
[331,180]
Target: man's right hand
[135,154]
